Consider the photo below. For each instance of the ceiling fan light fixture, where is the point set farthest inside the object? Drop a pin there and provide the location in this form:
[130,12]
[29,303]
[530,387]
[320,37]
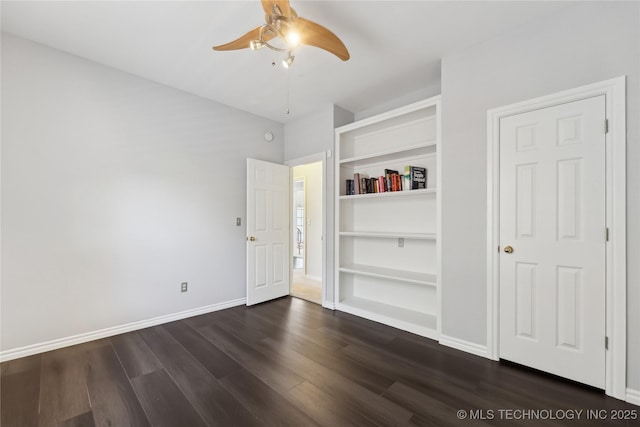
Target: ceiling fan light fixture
[289,31]
[286,63]
[293,39]
[256,44]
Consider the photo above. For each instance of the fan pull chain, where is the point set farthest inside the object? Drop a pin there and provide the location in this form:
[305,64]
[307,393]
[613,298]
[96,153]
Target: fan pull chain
[288,91]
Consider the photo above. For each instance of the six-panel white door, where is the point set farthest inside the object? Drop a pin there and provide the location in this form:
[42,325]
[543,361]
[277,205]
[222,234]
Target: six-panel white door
[552,216]
[267,231]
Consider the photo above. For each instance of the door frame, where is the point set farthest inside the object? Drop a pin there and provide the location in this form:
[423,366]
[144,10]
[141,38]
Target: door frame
[313,158]
[616,252]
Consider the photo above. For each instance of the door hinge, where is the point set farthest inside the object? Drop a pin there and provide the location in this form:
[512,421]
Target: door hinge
[606,125]
[606,234]
[498,248]
[606,343]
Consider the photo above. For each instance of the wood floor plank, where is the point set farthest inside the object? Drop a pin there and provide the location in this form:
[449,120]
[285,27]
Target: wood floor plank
[357,372]
[20,392]
[211,357]
[459,368]
[554,390]
[427,410]
[449,390]
[359,399]
[268,406]
[295,311]
[450,363]
[63,390]
[22,364]
[114,402]
[134,354]
[163,402]
[236,322]
[276,320]
[271,372]
[325,409]
[82,420]
[212,401]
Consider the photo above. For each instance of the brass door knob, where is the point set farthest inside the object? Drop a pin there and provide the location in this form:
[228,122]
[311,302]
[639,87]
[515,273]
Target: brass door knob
[508,249]
[251,239]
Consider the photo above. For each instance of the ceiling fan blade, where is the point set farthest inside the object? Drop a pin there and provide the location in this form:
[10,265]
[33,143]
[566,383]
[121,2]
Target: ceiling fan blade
[283,5]
[313,34]
[244,41]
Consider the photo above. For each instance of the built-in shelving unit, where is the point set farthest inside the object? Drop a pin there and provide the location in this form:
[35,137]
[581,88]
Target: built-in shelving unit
[387,250]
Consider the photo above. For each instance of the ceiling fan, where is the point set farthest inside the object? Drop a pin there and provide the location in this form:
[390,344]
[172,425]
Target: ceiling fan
[284,31]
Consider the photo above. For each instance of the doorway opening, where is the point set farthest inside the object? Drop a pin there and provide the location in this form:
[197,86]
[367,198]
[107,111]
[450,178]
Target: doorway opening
[307,231]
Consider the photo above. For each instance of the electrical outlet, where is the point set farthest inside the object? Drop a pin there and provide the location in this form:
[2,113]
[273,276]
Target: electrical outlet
[184,286]
[401,242]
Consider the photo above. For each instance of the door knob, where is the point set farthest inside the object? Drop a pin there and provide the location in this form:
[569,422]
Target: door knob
[251,239]
[508,249]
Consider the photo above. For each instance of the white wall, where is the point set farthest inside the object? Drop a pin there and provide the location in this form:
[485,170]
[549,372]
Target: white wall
[311,135]
[114,190]
[581,44]
[428,91]
[312,175]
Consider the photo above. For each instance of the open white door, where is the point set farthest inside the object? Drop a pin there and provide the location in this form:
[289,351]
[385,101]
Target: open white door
[552,240]
[267,231]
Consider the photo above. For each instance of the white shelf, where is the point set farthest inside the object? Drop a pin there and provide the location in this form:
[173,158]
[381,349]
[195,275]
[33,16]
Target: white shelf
[391,273]
[391,286]
[414,321]
[390,194]
[392,154]
[387,235]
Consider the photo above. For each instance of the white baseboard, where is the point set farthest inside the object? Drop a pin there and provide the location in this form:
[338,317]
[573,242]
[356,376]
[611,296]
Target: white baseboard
[329,304]
[633,396]
[29,350]
[467,346]
[312,277]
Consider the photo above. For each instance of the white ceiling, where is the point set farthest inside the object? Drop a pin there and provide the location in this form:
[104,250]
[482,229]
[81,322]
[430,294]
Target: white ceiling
[395,46]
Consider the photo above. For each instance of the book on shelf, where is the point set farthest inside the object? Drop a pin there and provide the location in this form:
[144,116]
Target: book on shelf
[418,177]
[349,189]
[406,179]
[413,178]
[372,184]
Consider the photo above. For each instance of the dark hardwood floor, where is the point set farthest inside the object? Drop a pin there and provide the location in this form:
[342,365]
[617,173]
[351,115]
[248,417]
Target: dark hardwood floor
[287,363]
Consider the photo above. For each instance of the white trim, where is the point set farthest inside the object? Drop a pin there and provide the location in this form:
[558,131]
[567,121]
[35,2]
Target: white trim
[313,158]
[301,161]
[312,277]
[616,307]
[425,103]
[466,346]
[29,350]
[328,304]
[633,396]
[438,104]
